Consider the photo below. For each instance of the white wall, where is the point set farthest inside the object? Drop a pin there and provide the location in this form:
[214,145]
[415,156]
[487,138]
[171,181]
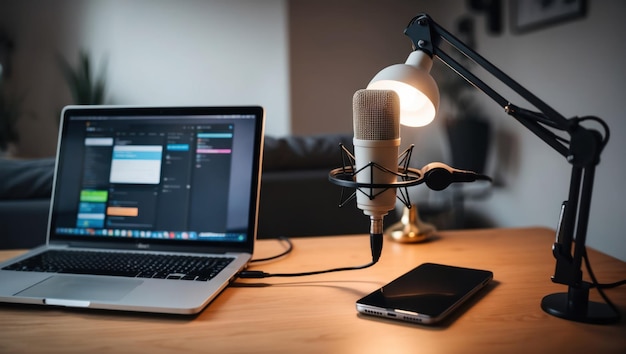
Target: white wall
[157,52]
[194,52]
[303,60]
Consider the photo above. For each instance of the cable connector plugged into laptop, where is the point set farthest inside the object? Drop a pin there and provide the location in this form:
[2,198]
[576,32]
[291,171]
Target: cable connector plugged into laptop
[252,274]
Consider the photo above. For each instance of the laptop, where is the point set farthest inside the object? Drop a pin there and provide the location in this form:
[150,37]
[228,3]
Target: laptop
[154,209]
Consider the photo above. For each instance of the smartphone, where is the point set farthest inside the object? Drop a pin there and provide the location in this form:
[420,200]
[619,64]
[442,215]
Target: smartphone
[426,294]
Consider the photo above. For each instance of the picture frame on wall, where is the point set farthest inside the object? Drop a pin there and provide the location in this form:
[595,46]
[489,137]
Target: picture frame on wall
[528,15]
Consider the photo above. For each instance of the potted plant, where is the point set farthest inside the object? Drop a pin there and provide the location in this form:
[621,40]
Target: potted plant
[86,87]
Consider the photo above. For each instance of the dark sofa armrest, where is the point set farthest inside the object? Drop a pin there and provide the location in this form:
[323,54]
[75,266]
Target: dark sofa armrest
[23,223]
[26,179]
[25,189]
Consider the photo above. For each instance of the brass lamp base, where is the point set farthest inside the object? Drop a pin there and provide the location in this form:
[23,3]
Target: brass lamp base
[410,228]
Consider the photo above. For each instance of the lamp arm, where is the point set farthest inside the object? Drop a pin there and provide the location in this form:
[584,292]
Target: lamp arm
[531,120]
[426,35]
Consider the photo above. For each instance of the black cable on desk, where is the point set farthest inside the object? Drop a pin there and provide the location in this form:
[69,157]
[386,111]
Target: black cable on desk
[376,244]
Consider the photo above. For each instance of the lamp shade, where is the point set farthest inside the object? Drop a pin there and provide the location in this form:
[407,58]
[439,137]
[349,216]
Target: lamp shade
[418,92]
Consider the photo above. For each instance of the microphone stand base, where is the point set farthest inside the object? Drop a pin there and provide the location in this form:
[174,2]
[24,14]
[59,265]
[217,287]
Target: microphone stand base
[410,228]
[558,305]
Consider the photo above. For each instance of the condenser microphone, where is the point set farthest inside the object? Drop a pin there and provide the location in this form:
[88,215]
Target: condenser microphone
[376,119]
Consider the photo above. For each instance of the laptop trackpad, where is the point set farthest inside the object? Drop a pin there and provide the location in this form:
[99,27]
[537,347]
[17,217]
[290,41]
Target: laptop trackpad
[82,288]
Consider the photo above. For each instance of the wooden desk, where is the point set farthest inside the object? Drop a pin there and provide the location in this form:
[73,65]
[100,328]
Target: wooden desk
[317,313]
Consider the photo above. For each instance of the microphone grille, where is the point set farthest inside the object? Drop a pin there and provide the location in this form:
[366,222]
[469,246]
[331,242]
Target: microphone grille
[376,115]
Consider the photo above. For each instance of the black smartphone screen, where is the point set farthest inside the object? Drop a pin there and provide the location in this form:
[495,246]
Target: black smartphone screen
[425,294]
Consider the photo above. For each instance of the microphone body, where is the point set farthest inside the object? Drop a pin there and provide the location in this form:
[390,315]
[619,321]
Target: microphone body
[376,118]
[384,153]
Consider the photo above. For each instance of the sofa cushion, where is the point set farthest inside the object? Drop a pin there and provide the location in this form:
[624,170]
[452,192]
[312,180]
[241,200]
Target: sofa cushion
[26,179]
[304,152]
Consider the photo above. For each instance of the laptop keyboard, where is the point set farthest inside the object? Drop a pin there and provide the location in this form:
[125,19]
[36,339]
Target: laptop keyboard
[136,265]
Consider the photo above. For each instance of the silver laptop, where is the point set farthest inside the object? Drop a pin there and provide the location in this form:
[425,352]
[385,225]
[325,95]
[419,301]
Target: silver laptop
[154,209]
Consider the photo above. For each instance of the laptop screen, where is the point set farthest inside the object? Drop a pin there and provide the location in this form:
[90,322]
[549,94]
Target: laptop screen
[158,175]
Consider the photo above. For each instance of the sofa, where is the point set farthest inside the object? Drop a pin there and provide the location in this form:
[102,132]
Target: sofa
[296,197]
[25,188]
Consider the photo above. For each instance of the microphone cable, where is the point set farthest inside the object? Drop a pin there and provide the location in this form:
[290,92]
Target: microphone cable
[600,287]
[376,244]
[283,239]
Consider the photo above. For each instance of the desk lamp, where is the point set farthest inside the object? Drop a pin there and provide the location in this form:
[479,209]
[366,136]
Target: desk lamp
[419,100]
